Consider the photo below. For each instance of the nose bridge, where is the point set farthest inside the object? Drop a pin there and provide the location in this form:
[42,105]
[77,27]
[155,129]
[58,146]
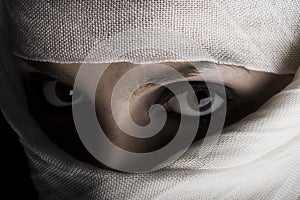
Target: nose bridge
[109,123]
[103,98]
[112,75]
[117,101]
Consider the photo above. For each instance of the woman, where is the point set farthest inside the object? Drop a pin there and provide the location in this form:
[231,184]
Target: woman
[205,64]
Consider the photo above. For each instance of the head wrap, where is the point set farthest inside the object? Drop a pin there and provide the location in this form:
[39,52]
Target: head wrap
[259,35]
[257,158]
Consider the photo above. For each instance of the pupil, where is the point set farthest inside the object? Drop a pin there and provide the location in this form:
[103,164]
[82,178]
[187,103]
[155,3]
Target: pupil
[201,95]
[63,92]
[204,100]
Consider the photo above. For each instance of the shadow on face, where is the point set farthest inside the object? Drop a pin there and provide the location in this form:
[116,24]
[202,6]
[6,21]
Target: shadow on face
[49,95]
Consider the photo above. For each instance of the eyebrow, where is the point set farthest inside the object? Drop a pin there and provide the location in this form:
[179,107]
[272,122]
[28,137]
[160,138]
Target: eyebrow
[186,69]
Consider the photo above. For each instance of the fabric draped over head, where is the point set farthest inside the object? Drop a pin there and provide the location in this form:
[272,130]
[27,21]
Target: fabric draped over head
[259,35]
[256,158]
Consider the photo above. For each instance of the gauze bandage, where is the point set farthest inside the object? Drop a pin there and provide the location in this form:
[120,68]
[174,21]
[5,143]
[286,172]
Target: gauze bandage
[256,158]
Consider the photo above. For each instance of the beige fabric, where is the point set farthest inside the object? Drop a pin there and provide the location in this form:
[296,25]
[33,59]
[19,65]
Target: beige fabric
[259,35]
[257,158]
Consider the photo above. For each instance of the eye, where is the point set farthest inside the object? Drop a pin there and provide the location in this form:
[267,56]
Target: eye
[200,104]
[198,100]
[59,95]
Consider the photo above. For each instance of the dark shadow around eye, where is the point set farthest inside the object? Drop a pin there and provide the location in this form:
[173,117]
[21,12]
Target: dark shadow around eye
[52,93]
[34,86]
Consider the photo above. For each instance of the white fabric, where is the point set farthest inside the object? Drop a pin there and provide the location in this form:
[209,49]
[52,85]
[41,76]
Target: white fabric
[257,158]
[259,35]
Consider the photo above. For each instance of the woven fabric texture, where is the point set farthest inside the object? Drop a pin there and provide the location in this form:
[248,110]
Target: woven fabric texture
[256,158]
[259,35]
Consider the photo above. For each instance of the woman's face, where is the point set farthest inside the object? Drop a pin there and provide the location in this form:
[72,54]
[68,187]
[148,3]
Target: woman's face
[49,94]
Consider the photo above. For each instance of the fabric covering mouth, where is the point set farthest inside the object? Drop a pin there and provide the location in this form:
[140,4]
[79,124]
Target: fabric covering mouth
[257,158]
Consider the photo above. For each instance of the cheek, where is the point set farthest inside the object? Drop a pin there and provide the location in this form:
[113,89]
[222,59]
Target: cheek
[57,123]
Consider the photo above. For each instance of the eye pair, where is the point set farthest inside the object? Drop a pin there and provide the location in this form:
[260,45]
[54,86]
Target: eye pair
[197,100]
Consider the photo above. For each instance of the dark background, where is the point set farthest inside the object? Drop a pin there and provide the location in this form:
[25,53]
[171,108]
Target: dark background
[16,181]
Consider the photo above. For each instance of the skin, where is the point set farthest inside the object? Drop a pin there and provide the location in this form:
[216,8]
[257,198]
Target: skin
[253,88]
